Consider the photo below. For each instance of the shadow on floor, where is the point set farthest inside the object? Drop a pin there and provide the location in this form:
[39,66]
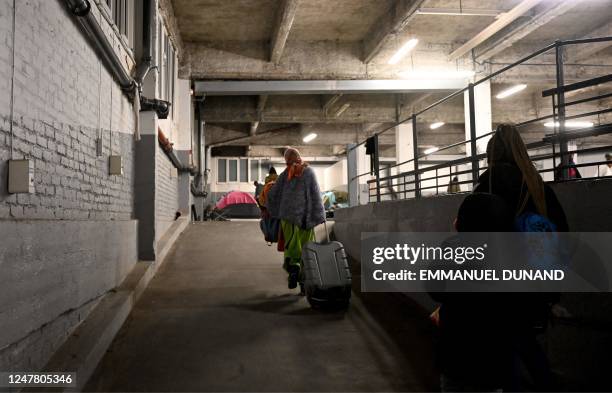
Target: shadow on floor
[287,304]
[406,324]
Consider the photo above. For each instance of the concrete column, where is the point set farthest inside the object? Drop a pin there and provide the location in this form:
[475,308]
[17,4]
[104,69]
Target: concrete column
[206,157]
[201,132]
[200,138]
[184,115]
[484,120]
[404,151]
[404,146]
[184,184]
[144,185]
[363,166]
[208,162]
[184,125]
[353,184]
[145,161]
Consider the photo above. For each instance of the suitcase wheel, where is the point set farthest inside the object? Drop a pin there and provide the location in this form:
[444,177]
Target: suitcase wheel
[333,299]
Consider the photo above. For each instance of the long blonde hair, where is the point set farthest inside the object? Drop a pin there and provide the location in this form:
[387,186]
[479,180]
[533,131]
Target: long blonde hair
[506,146]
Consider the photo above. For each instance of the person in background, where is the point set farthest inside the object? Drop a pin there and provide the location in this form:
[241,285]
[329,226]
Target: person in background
[512,176]
[454,186]
[605,169]
[295,199]
[258,188]
[272,176]
[265,188]
[572,171]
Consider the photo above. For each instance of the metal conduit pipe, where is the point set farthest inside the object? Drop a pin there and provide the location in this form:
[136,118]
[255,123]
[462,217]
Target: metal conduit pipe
[82,10]
[146,64]
[131,86]
[161,107]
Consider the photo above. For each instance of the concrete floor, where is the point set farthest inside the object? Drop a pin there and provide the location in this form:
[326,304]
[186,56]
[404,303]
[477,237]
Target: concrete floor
[219,317]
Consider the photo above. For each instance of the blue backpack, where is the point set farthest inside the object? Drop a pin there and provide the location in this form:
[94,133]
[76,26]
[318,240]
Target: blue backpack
[533,222]
[270,227]
[545,251]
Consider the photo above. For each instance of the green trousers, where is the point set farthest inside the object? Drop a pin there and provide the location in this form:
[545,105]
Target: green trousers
[295,238]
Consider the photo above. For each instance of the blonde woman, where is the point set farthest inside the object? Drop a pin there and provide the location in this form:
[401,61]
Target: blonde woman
[512,176]
[484,338]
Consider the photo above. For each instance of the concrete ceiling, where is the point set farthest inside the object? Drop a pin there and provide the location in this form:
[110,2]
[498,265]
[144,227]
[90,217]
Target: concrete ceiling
[341,20]
[584,18]
[223,20]
[354,39]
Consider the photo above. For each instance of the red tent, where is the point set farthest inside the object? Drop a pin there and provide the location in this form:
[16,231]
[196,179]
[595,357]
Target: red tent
[235,198]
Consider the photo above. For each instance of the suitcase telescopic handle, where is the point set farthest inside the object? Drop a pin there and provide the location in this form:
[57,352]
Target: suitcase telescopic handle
[326,231]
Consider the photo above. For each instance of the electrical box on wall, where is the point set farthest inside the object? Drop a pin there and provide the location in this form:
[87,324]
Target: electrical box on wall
[20,176]
[115,165]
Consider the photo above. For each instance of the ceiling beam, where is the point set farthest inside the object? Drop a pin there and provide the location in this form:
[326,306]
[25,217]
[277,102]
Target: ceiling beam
[317,155]
[412,105]
[229,88]
[335,134]
[524,28]
[246,140]
[261,104]
[501,22]
[284,21]
[578,53]
[356,116]
[387,27]
[254,126]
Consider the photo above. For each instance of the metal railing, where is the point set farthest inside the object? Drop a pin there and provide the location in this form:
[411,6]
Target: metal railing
[410,184]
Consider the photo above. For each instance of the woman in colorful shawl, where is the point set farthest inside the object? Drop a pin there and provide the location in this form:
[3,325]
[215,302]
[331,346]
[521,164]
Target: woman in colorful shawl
[295,199]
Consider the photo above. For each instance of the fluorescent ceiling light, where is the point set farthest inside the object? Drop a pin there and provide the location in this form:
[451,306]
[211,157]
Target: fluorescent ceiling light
[437,124]
[570,124]
[431,150]
[342,109]
[510,91]
[436,74]
[309,137]
[403,51]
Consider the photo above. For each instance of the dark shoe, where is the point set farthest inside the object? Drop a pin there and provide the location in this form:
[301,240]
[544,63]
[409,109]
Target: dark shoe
[302,291]
[294,272]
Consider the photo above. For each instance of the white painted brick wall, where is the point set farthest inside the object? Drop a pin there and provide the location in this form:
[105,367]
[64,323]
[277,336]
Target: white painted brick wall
[62,103]
[64,98]
[52,271]
[70,181]
[166,195]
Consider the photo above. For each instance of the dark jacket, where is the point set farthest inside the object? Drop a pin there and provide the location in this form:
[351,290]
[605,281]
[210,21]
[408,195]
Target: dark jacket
[479,332]
[508,184]
[474,343]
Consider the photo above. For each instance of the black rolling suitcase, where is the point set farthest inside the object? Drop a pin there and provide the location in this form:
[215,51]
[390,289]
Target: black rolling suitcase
[327,278]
